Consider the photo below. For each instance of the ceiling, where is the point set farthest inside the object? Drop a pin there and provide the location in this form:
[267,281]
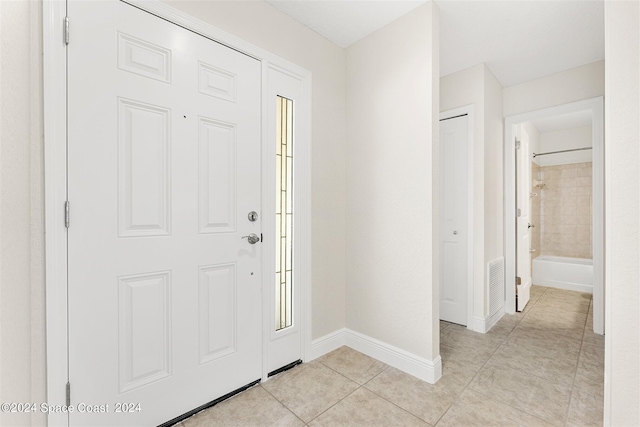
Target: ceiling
[519,40]
[344,22]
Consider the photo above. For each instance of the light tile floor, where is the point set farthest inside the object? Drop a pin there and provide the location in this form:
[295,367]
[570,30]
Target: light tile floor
[540,367]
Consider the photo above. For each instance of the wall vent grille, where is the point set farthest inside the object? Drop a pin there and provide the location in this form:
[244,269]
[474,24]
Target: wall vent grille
[495,278]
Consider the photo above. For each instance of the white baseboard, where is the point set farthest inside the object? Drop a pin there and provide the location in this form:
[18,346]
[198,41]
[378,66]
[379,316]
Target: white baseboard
[569,286]
[494,319]
[424,369]
[484,324]
[479,324]
[327,344]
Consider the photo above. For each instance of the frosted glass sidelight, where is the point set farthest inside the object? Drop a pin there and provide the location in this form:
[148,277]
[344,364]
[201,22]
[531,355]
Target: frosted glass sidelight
[284,213]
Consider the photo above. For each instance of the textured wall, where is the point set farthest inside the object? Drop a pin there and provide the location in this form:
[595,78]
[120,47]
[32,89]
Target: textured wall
[392,110]
[493,177]
[22,315]
[622,181]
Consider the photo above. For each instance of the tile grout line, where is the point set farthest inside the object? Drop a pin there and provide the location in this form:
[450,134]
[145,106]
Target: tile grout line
[512,407]
[393,403]
[575,374]
[476,374]
[371,391]
[282,403]
[349,394]
[506,337]
[571,392]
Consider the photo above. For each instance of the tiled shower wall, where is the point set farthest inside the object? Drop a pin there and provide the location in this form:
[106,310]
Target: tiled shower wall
[564,208]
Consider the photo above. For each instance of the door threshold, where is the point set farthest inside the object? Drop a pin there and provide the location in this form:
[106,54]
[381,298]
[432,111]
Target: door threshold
[285,368]
[200,408]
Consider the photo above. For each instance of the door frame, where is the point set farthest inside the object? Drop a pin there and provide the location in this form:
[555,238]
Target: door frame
[596,106]
[55,159]
[449,114]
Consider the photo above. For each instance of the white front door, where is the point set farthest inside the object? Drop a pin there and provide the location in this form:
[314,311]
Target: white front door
[523,220]
[163,168]
[453,219]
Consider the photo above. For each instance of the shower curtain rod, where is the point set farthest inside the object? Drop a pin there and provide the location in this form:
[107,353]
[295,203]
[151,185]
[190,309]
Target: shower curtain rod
[561,151]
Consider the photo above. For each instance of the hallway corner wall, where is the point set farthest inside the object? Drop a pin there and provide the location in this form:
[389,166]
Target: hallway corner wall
[494,174]
[622,213]
[22,300]
[478,86]
[392,186]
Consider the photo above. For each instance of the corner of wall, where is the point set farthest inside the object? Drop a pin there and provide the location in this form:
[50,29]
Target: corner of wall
[22,315]
[384,69]
[622,211]
[429,370]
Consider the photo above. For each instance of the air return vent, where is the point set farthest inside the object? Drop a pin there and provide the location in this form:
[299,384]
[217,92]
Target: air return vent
[495,278]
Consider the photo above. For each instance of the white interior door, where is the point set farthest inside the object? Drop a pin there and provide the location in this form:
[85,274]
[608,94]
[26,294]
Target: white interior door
[164,166]
[453,219]
[523,220]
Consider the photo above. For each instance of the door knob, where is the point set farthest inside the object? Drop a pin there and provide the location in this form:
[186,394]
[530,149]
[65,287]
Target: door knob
[252,238]
[455,232]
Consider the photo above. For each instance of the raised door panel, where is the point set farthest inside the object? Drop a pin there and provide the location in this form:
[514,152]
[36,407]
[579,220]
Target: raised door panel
[144,191]
[145,332]
[218,314]
[218,174]
[144,58]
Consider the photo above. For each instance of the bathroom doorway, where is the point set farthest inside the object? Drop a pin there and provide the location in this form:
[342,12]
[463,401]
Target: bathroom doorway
[564,199]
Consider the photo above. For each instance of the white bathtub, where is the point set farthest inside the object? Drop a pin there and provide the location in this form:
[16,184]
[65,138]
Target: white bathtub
[574,274]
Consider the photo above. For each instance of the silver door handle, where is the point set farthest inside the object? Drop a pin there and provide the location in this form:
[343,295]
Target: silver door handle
[252,238]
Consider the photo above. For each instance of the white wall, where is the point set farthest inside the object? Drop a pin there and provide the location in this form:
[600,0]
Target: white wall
[565,139]
[493,175]
[22,351]
[264,26]
[622,178]
[534,139]
[392,139]
[560,88]
[478,86]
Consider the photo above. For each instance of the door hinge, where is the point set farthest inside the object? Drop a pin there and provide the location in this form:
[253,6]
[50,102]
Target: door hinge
[66,30]
[68,394]
[518,280]
[66,214]
[518,212]
[517,144]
